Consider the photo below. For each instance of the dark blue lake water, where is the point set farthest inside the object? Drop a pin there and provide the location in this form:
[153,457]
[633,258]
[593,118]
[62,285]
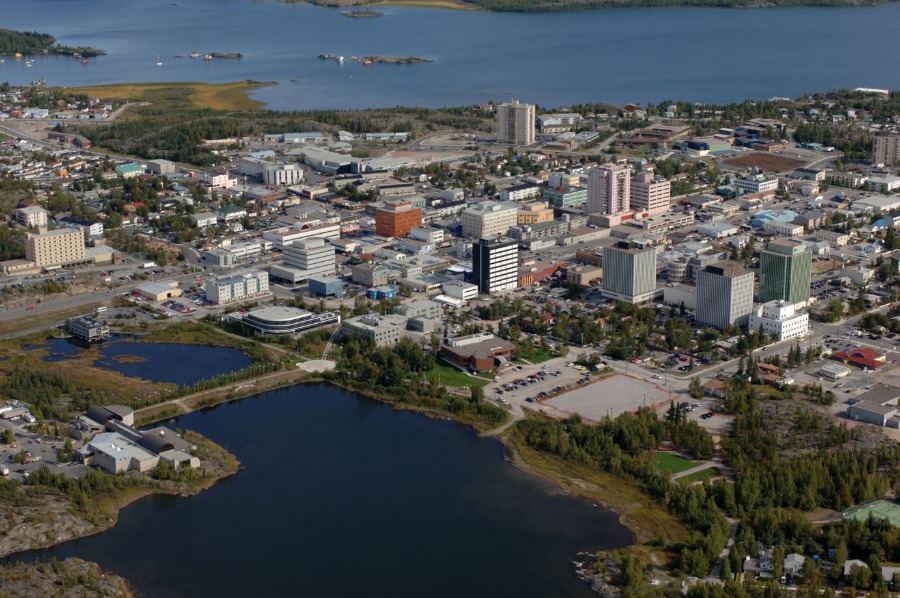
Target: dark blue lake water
[627,55]
[342,496]
[171,362]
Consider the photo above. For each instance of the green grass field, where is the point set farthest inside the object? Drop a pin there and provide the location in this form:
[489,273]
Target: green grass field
[671,463]
[883,509]
[700,476]
[450,376]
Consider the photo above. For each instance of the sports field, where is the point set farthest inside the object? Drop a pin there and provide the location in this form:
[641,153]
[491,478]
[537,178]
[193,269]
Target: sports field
[883,509]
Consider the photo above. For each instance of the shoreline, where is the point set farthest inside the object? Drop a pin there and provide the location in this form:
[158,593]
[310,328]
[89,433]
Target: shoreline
[107,508]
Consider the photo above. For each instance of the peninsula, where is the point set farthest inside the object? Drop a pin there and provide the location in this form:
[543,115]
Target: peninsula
[28,44]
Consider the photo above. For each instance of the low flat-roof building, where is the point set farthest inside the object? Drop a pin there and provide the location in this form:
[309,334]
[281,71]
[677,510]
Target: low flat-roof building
[87,329]
[383,330]
[159,291]
[477,352]
[324,286]
[287,320]
[833,371]
[871,413]
[116,454]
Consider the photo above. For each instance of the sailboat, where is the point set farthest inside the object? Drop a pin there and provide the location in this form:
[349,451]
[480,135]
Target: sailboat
[158,61]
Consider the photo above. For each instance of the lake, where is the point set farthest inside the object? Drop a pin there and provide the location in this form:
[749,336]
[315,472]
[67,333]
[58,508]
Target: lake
[171,362]
[343,496]
[624,55]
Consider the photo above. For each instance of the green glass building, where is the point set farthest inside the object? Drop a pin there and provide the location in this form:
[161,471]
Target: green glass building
[785,269]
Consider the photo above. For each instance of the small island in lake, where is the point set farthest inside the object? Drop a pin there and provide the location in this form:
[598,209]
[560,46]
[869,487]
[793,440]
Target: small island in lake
[362,14]
[394,59]
[227,55]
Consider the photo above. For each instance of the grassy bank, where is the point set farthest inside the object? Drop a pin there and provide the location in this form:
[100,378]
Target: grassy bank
[213,96]
[646,519]
[41,317]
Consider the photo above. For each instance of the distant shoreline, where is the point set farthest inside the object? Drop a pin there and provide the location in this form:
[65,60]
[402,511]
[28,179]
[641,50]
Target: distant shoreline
[547,6]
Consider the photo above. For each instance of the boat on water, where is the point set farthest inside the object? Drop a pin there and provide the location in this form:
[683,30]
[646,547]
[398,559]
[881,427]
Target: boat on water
[18,55]
[208,57]
[340,59]
[84,61]
[158,61]
[195,54]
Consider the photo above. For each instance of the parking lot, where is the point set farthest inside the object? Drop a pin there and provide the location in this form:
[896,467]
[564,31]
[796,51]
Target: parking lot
[38,452]
[524,383]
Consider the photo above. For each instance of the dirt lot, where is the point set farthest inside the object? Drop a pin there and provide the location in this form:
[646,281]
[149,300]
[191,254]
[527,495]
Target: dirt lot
[764,161]
[610,396]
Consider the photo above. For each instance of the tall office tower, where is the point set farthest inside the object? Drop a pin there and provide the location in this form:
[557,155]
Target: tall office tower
[785,269]
[515,123]
[495,264]
[609,190]
[629,273]
[724,295]
[650,193]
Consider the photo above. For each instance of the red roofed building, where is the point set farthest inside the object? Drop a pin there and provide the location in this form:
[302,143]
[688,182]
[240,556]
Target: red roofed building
[861,358]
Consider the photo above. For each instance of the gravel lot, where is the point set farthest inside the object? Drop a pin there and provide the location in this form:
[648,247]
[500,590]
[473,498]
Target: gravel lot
[611,396]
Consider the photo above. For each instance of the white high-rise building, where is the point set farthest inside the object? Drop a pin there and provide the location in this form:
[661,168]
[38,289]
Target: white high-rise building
[314,256]
[609,190]
[515,123]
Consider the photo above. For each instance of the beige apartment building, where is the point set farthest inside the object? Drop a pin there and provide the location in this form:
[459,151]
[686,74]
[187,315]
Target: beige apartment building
[609,190]
[887,148]
[62,246]
[515,123]
[489,219]
[650,193]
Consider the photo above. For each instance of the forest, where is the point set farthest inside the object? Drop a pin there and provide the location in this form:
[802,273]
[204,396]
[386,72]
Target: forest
[779,473]
[30,43]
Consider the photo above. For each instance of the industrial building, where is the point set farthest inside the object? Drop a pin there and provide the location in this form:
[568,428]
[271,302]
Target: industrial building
[286,320]
[159,291]
[785,271]
[495,264]
[629,273]
[724,295]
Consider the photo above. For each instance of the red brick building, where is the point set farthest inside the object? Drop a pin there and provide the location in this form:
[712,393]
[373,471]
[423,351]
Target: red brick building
[397,218]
